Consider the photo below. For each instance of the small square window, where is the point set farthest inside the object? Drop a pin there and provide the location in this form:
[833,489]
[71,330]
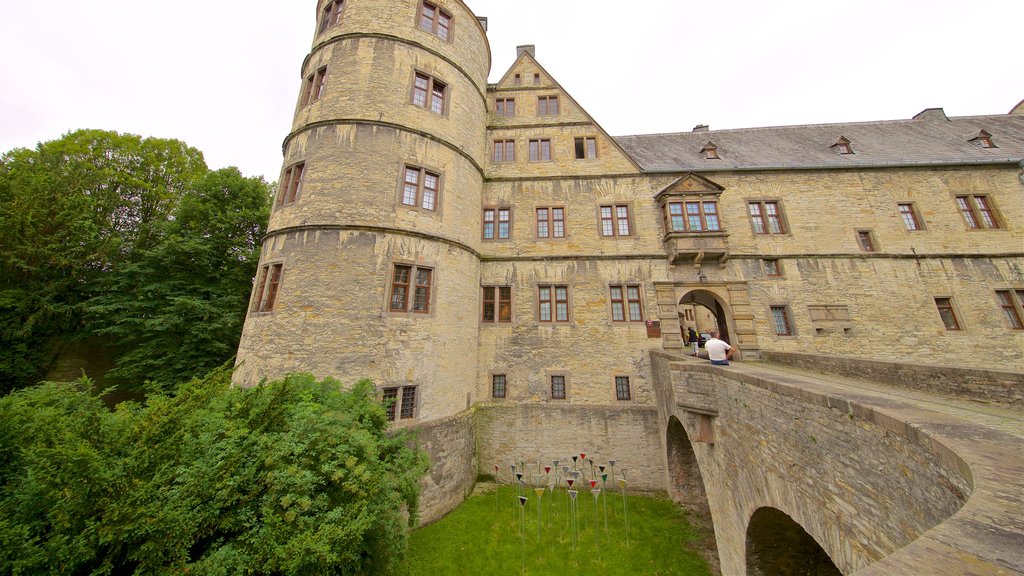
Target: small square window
[540,150]
[772,268]
[407,280]
[865,240]
[536,79]
[551,222]
[622,391]
[547,105]
[400,401]
[553,303]
[497,304]
[766,217]
[615,220]
[498,386]
[429,93]
[435,20]
[497,223]
[586,148]
[626,305]
[505,107]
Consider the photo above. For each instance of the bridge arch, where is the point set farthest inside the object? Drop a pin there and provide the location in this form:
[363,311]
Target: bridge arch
[777,545]
[686,484]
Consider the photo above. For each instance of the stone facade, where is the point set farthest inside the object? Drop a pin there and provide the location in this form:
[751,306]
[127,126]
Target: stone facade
[343,227]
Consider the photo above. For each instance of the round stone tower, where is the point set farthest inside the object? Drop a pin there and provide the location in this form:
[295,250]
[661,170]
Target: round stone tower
[370,266]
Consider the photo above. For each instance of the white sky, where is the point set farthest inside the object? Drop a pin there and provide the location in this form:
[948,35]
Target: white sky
[224,76]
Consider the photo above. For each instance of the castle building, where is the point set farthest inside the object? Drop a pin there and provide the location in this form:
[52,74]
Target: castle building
[463,243]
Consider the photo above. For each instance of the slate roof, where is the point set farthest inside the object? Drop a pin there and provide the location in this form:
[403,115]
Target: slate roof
[929,139]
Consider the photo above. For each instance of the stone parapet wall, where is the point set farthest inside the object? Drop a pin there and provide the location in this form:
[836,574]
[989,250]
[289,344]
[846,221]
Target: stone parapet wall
[984,385]
[450,445]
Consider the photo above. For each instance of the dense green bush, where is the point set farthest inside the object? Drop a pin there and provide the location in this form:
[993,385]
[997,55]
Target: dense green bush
[293,477]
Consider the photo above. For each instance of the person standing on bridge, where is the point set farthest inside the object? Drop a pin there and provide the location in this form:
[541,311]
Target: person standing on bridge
[719,351]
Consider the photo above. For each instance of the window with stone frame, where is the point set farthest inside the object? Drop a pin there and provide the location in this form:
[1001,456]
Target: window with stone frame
[411,288]
[267,284]
[692,215]
[505,107]
[551,222]
[331,15]
[908,214]
[400,401]
[626,304]
[498,385]
[497,305]
[504,151]
[866,241]
[782,323]
[558,387]
[553,303]
[540,150]
[947,312]
[435,20]
[586,148]
[291,185]
[978,211]
[1011,302]
[772,267]
[429,93]
[766,217]
[497,223]
[615,220]
[420,188]
[314,86]
[547,105]
[622,391]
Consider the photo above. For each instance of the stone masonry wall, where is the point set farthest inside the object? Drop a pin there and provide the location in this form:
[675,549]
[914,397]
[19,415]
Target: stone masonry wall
[451,446]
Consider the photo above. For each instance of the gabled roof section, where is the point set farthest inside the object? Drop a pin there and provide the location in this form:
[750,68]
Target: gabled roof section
[1018,109]
[691,184]
[526,66]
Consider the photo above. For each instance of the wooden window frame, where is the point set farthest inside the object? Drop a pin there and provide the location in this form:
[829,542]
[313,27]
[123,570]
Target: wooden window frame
[517,80]
[290,188]
[421,188]
[764,217]
[615,220]
[550,376]
[787,318]
[503,151]
[617,380]
[866,241]
[549,222]
[330,16]
[496,297]
[267,288]
[625,302]
[542,145]
[315,86]
[434,24]
[952,322]
[405,405]
[428,93]
[1013,311]
[587,146]
[412,288]
[495,231]
[536,78]
[909,214]
[767,267]
[978,212]
[494,386]
[505,107]
[684,216]
[553,303]
[548,105]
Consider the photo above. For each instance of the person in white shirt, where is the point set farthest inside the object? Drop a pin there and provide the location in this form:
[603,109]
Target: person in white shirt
[719,351]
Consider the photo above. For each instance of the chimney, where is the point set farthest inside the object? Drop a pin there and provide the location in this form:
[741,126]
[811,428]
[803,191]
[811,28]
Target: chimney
[483,22]
[701,128]
[528,48]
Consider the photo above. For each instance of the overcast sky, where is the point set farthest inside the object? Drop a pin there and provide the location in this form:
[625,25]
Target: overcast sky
[224,76]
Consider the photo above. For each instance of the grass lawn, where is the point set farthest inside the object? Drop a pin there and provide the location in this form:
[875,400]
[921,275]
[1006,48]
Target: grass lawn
[483,536]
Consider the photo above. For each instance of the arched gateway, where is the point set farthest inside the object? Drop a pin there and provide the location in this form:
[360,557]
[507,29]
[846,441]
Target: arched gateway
[724,306]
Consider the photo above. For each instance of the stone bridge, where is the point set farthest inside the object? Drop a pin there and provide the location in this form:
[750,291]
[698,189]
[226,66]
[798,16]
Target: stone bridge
[887,480]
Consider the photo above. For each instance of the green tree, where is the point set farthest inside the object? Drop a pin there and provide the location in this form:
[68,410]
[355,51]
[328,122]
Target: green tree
[71,211]
[293,477]
[176,311]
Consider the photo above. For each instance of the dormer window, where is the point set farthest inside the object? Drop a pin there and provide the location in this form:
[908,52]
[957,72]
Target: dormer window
[710,151]
[842,146]
[983,140]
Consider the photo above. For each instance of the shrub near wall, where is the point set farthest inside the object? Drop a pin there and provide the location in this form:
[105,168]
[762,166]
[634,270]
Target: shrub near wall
[293,477]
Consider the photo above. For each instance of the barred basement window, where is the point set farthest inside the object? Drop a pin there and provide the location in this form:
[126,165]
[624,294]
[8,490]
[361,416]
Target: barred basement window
[781,322]
[416,279]
[389,397]
[331,15]
[558,387]
[1011,302]
[400,400]
[435,20]
[497,304]
[408,402]
[622,388]
[420,188]
[547,105]
[947,313]
[766,218]
[977,211]
[429,93]
[551,222]
[626,302]
[315,84]
[553,303]
[586,148]
[265,296]
[615,220]
[505,107]
[291,185]
[497,386]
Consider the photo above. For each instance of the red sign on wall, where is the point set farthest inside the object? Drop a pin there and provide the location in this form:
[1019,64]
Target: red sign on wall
[654,329]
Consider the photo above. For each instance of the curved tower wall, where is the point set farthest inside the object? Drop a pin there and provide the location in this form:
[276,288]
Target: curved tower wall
[340,239]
